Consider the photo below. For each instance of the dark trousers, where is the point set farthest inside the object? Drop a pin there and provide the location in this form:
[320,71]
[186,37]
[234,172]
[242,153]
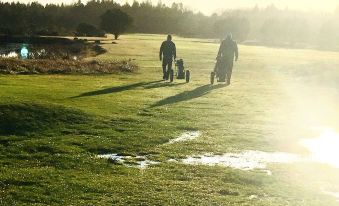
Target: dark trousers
[229,71]
[166,66]
[227,67]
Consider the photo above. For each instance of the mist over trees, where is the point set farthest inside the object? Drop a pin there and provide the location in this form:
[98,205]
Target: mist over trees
[267,26]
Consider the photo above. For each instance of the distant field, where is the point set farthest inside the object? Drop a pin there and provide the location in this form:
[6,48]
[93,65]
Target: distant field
[52,127]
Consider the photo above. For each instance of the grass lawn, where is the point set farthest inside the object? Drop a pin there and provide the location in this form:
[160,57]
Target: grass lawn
[52,127]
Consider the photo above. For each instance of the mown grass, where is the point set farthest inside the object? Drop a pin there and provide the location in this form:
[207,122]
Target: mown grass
[53,126]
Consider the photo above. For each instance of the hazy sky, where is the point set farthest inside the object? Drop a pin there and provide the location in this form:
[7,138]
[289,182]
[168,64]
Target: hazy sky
[210,6]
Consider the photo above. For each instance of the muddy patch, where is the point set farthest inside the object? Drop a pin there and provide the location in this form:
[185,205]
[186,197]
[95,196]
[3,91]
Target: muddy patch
[140,162]
[186,136]
[248,160]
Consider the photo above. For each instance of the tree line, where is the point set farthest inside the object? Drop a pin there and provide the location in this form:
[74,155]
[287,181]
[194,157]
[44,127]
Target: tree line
[269,26]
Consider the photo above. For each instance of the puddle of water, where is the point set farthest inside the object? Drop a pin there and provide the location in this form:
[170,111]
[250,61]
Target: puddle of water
[140,162]
[186,136]
[248,160]
[325,148]
[268,172]
[252,197]
[114,157]
[173,161]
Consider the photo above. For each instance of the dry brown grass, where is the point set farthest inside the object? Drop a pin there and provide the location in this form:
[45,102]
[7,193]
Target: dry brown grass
[48,66]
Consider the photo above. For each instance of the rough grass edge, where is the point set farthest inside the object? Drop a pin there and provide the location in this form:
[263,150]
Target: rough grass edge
[61,66]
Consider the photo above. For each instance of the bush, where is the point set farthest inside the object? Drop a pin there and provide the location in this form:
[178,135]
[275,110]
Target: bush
[46,32]
[89,30]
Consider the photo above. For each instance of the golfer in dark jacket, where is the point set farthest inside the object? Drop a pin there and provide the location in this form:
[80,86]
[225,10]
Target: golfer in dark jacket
[228,52]
[167,53]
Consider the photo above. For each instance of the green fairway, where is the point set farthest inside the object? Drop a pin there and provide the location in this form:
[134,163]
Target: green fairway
[52,127]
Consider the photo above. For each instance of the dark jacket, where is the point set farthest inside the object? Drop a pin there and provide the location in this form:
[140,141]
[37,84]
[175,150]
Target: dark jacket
[228,49]
[168,50]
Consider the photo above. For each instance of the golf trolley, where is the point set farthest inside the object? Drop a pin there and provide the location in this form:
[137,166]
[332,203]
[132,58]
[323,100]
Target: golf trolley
[180,71]
[219,73]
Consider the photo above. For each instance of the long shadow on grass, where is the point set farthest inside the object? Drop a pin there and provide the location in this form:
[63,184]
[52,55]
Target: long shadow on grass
[162,84]
[145,85]
[26,118]
[188,95]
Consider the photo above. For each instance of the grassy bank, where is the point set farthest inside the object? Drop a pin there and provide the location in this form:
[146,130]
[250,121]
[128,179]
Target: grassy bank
[53,126]
[65,66]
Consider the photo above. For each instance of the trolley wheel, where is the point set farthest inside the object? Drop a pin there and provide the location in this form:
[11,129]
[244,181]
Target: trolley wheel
[171,75]
[188,76]
[212,77]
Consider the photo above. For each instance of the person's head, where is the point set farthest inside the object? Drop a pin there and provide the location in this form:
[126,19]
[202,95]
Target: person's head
[229,36]
[169,37]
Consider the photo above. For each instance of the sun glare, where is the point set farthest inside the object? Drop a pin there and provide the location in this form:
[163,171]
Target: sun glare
[325,148]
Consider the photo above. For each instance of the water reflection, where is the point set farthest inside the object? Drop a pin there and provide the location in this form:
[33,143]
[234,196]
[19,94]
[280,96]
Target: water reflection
[186,136]
[248,160]
[140,162]
[324,149]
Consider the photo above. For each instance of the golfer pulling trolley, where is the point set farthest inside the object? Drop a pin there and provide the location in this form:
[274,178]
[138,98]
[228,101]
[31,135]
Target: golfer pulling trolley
[168,52]
[228,53]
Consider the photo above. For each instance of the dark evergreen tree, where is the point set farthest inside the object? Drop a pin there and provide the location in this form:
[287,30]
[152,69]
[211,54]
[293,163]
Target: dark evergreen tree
[115,21]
